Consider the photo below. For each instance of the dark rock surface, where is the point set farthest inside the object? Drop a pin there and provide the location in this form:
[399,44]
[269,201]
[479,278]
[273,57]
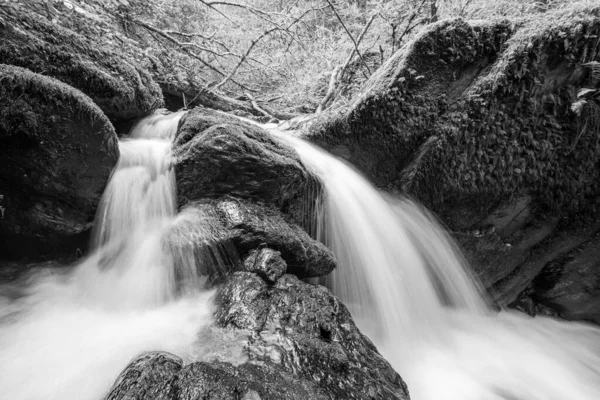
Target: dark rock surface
[484,122]
[267,263]
[302,344]
[122,89]
[568,286]
[217,154]
[57,150]
[229,230]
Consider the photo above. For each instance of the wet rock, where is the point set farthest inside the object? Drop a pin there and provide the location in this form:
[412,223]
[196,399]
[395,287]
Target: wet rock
[150,376]
[305,330]
[217,154]
[302,344]
[57,150]
[114,81]
[266,263]
[227,231]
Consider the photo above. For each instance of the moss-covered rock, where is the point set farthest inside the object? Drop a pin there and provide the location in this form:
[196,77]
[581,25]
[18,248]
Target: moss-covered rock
[121,88]
[217,154]
[494,125]
[57,150]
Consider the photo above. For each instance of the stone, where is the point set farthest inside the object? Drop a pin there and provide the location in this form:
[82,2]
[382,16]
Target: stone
[227,231]
[57,150]
[267,263]
[113,80]
[217,154]
[301,344]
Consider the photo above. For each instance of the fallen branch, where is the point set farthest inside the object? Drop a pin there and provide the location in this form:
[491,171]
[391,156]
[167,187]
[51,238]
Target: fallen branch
[256,106]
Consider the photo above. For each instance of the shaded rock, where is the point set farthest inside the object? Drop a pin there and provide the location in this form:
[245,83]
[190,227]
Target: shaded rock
[225,232]
[266,263]
[303,344]
[568,286]
[217,154]
[114,81]
[57,150]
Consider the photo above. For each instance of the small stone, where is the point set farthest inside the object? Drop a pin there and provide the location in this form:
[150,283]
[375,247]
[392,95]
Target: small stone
[267,263]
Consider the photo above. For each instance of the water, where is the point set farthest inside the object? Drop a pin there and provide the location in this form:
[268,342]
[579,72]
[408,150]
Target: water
[67,334]
[408,288]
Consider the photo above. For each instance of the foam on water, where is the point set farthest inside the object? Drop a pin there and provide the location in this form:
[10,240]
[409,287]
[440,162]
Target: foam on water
[409,289]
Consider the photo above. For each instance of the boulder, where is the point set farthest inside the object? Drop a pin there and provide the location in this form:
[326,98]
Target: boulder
[301,344]
[113,80]
[491,125]
[57,150]
[216,154]
[222,233]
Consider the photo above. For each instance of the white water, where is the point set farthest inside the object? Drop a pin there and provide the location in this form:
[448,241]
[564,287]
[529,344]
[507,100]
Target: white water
[408,288]
[68,334]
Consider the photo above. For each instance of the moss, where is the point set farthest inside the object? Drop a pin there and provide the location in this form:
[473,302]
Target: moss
[498,96]
[514,130]
[57,149]
[121,89]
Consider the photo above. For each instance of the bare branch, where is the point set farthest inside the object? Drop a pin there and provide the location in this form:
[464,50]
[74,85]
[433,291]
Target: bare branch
[349,34]
[183,48]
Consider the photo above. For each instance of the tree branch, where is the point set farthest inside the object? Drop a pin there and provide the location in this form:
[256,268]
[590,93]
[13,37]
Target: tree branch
[350,35]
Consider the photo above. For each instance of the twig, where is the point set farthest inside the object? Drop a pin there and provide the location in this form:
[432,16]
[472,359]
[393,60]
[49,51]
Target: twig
[350,35]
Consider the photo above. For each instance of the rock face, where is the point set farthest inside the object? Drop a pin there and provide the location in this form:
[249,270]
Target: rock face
[302,344]
[217,154]
[120,88]
[57,150]
[231,230]
[491,125]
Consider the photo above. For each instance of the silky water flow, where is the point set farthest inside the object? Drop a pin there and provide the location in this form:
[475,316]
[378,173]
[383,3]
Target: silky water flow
[409,289]
[67,335]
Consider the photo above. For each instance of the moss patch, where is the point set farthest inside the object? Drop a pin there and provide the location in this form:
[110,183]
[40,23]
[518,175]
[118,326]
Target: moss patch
[120,88]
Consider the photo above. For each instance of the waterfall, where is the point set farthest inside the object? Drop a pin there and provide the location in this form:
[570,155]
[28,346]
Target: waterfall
[409,289]
[68,334]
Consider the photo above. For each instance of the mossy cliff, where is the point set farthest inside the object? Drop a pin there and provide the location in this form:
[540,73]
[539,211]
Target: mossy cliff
[494,125]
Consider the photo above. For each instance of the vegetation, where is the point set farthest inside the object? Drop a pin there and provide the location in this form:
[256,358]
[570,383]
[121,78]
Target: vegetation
[288,55]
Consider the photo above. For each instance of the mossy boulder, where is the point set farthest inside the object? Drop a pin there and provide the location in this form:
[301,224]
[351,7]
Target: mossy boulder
[495,126]
[216,154]
[301,343]
[114,81]
[57,150]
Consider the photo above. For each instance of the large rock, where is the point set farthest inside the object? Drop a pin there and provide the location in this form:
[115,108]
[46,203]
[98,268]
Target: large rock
[492,126]
[217,154]
[301,344]
[222,233]
[57,150]
[122,89]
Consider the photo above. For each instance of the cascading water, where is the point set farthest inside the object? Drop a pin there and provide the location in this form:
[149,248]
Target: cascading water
[406,285]
[68,335]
